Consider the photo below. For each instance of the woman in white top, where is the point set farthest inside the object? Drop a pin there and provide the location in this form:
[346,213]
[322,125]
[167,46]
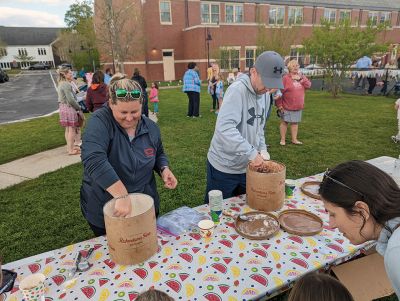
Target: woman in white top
[363,202]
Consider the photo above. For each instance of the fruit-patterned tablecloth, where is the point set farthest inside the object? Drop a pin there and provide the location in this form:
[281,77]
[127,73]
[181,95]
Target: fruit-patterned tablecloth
[225,266]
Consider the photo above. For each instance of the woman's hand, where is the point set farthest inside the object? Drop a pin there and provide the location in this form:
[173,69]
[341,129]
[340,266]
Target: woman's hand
[123,207]
[169,179]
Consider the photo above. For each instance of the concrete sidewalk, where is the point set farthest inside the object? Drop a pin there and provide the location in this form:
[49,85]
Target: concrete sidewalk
[33,166]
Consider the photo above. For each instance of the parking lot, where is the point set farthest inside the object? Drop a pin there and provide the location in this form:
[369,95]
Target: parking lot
[27,95]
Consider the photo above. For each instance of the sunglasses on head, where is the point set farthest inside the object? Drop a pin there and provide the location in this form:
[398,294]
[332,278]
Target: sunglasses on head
[8,281]
[326,175]
[134,94]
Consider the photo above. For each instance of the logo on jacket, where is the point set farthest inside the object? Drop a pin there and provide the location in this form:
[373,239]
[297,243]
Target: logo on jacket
[149,152]
[253,115]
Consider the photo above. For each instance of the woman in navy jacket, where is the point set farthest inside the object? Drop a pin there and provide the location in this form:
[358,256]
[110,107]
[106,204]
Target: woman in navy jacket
[121,148]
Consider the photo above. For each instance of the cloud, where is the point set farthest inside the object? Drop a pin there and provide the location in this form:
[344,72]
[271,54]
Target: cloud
[29,18]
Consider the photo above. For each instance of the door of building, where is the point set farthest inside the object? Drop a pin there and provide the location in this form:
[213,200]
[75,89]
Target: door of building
[168,64]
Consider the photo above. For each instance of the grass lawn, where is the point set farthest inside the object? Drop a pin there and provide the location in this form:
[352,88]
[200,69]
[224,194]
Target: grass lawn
[44,214]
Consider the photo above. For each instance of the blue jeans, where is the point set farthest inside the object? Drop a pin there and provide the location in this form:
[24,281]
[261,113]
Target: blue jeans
[155,107]
[230,184]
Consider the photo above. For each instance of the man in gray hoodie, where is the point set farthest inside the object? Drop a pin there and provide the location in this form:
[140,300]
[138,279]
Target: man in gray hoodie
[239,132]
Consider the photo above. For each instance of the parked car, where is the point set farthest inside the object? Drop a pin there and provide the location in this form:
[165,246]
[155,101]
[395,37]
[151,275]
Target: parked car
[68,65]
[3,76]
[39,66]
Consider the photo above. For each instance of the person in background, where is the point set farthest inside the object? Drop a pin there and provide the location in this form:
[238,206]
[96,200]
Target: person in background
[97,94]
[363,203]
[211,87]
[142,82]
[107,76]
[219,91]
[154,97]
[238,73]
[121,150]
[154,295]
[68,110]
[239,137]
[396,138]
[291,103]
[209,72]
[191,86]
[375,79]
[82,73]
[362,64]
[321,287]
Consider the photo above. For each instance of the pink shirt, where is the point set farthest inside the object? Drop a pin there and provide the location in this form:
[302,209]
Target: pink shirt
[293,93]
[153,95]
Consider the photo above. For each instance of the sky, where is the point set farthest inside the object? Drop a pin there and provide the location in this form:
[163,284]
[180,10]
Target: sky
[33,13]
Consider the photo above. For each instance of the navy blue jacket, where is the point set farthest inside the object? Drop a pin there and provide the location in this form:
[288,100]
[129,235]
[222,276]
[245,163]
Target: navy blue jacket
[109,156]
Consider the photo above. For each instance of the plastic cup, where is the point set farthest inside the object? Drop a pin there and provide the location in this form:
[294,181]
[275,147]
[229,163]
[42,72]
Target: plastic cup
[289,188]
[206,227]
[32,287]
[215,200]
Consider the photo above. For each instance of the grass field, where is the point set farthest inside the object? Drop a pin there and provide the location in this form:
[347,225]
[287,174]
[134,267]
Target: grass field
[44,214]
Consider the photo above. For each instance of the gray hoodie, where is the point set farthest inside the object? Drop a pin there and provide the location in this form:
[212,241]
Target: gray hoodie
[239,131]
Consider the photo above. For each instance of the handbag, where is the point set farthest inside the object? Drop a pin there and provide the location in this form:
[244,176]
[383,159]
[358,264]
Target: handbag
[81,119]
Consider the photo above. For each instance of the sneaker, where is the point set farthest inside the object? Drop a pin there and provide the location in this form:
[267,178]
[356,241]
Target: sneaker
[396,139]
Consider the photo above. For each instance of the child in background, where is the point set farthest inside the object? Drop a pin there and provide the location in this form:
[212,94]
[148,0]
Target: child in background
[154,96]
[219,91]
[318,286]
[397,107]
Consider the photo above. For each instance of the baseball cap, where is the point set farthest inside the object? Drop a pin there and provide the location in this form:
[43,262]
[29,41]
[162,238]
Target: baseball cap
[270,66]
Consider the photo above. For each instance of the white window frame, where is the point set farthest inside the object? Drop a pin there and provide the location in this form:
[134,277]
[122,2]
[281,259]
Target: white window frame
[387,16]
[344,11]
[276,8]
[234,13]
[296,15]
[253,58]
[161,12]
[230,48]
[330,15]
[373,15]
[210,14]
[300,57]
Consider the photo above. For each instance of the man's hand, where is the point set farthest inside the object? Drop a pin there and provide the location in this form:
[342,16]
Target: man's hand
[265,155]
[123,207]
[257,161]
[169,179]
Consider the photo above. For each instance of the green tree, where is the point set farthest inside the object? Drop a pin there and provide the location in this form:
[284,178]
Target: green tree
[338,46]
[278,39]
[77,12]
[77,43]
[120,30]
[23,58]
[3,49]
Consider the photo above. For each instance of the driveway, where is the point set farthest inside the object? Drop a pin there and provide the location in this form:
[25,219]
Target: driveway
[27,95]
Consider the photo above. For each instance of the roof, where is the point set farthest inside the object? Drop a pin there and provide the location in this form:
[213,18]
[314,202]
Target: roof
[28,35]
[382,5]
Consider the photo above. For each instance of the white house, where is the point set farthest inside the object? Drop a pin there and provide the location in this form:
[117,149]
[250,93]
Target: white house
[36,42]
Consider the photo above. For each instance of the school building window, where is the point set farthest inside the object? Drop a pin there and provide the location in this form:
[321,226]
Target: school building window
[165,12]
[233,13]
[276,15]
[42,51]
[250,57]
[295,15]
[209,13]
[385,17]
[373,17]
[22,51]
[330,15]
[297,53]
[344,15]
[230,58]
[3,52]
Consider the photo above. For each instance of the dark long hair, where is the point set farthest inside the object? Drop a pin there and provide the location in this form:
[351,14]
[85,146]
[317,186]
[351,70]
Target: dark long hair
[366,183]
[318,286]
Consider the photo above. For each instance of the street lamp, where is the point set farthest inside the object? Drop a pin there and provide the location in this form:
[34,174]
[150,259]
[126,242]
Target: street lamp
[208,39]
